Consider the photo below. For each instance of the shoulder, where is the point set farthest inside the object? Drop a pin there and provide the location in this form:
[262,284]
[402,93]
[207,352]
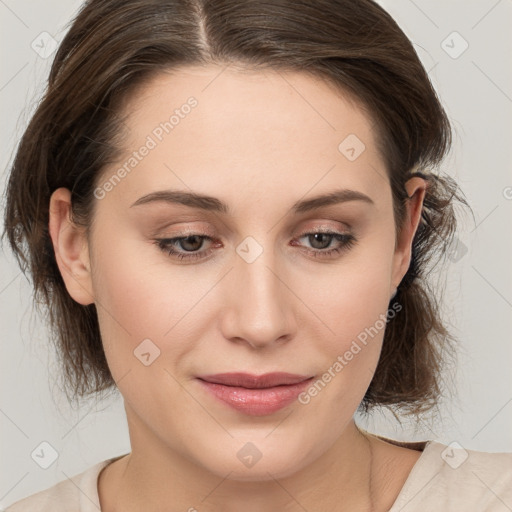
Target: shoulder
[78,493]
[449,477]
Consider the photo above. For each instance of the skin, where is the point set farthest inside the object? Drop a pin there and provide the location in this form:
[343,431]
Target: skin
[258,141]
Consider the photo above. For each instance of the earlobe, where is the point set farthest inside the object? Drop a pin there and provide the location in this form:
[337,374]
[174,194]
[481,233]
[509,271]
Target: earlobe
[70,247]
[416,189]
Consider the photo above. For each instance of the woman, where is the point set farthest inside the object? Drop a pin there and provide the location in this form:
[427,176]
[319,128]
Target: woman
[230,209]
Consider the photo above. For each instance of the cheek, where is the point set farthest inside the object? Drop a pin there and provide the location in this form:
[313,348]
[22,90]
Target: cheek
[352,302]
[353,295]
[350,353]
[140,296]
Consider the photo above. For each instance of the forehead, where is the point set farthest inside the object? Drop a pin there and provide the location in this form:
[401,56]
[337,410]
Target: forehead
[248,98]
[209,124]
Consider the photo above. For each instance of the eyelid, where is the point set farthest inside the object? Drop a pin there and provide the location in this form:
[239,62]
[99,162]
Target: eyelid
[340,229]
[324,229]
[182,232]
[209,234]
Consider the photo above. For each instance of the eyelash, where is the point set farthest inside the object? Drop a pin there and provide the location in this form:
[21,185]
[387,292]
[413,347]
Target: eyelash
[347,241]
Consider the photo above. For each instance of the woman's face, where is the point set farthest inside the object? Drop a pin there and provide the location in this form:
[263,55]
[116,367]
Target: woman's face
[253,289]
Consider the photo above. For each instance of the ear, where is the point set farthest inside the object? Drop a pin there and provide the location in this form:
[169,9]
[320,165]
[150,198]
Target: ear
[416,188]
[71,248]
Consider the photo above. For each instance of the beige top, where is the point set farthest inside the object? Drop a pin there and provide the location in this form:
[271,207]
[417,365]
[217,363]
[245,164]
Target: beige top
[444,478]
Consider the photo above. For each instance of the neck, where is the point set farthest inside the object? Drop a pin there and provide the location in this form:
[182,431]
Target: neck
[153,477]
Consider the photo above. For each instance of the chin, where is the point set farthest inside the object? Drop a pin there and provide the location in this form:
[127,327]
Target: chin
[257,462]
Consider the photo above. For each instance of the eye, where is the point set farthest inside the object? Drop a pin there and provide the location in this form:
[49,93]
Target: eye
[184,247]
[321,243]
[320,240]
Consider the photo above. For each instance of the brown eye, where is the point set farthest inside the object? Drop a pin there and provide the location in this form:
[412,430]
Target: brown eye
[191,243]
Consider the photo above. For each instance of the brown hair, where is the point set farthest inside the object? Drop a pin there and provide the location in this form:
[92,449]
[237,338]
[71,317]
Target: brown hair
[114,46]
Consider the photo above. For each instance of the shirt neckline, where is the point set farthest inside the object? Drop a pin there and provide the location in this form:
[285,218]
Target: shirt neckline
[407,493]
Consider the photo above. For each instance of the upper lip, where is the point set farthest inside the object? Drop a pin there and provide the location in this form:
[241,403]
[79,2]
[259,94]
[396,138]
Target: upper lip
[247,380]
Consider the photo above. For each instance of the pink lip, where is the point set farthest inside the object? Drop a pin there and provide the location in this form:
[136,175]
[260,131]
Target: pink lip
[256,395]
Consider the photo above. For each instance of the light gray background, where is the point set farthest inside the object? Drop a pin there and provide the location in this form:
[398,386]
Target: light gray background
[476,89]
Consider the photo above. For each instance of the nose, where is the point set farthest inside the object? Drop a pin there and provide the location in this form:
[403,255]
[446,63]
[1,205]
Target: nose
[258,307]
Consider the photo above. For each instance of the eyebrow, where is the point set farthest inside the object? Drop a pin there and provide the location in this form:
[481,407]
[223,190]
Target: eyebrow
[209,203]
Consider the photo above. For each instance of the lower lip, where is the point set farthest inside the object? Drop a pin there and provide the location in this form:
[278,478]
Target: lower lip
[256,402]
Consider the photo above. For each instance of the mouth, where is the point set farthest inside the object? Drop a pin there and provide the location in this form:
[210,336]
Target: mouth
[255,395]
